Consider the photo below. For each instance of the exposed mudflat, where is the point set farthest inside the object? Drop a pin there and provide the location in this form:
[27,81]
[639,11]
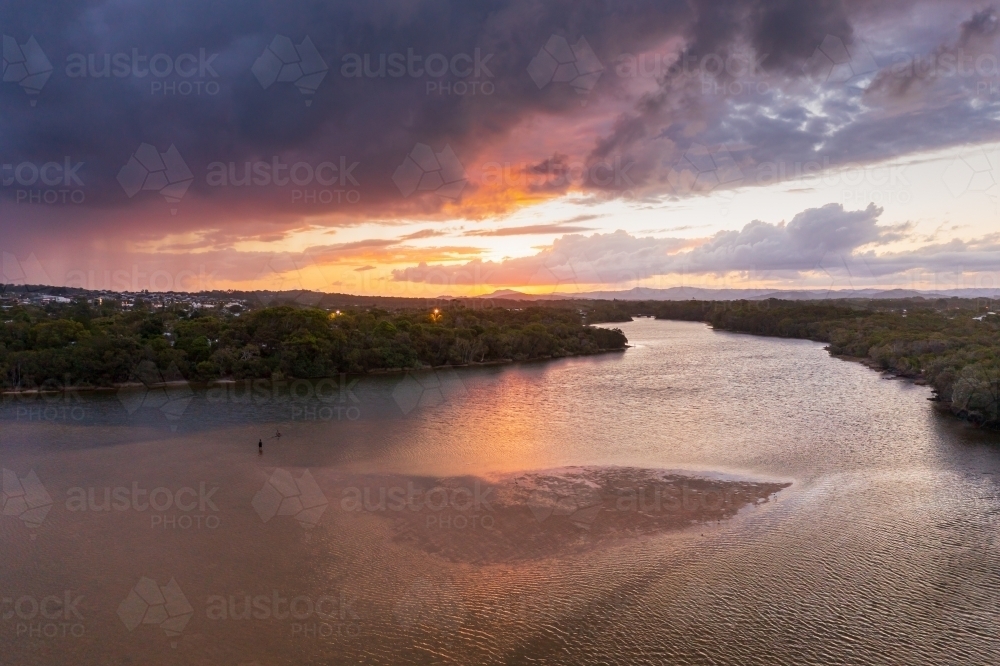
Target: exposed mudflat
[546,513]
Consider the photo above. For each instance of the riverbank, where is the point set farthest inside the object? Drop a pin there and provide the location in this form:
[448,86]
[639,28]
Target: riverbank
[180,384]
[949,345]
[79,345]
[941,403]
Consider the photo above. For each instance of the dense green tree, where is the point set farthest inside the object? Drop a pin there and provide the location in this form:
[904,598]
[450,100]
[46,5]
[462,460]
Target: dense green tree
[80,345]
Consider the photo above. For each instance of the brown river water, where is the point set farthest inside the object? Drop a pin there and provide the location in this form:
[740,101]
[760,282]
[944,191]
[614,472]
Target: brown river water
[702,498]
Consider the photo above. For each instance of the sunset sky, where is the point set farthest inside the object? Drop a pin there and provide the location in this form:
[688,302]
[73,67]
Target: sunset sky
[464,147]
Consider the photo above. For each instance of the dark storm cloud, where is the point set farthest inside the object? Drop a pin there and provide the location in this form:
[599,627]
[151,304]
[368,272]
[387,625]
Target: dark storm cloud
[982,24]
[363,126]
[827,89]
[789,31]
[356,131]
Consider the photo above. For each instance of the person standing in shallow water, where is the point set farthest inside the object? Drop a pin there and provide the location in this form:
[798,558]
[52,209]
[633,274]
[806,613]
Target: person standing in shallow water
[260,446]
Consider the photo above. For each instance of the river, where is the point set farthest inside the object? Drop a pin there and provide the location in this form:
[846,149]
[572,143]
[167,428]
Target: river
[703,497]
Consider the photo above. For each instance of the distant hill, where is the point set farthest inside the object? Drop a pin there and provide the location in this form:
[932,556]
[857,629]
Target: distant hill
[705,294]
[512,298]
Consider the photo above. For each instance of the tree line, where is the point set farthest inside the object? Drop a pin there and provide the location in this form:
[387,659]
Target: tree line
[86,345]
[951,344]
